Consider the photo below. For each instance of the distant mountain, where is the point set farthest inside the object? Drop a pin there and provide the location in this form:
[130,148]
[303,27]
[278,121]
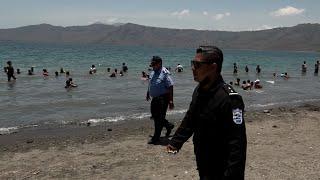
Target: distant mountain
[303,37]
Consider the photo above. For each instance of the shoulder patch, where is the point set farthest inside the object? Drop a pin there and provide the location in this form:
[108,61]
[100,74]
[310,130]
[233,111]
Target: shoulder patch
[165,70]
[237,116]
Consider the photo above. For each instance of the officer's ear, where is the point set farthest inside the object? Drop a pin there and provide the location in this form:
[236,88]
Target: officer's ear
[214,67]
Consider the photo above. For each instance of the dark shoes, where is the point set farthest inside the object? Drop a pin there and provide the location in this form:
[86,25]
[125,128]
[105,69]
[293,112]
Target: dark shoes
[154,142]
[169,129]
[157,141]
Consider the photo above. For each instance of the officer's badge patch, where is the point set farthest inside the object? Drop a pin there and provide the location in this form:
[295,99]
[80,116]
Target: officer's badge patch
[237,116]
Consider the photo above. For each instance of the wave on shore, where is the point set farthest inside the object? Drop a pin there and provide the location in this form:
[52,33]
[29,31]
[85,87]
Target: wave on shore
[97,121]
[8,130]
[137,116]
[294,102]
[133,116]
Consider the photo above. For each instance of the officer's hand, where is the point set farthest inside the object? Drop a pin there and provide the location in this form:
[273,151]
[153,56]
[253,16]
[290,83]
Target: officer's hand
[171,105]
[171,149]
[147,96]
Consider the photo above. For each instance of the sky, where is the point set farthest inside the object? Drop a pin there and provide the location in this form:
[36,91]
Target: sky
[227,15]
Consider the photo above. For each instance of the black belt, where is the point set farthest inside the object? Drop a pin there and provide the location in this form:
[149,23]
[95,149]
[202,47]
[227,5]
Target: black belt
[161,96]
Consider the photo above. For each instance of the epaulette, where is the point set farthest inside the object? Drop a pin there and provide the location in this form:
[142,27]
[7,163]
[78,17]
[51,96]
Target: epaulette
[165,70]
[229,89]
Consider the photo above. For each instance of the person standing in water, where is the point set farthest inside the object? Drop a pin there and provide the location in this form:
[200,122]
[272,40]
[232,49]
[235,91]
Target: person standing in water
[124,67]
[316,68]
[70,84]
[93,69]
[10,71]
[258,69]
[246,69]
[304,67]
[235,68]
[179,68]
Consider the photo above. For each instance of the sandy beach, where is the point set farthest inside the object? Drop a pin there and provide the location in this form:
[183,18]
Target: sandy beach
[283,143]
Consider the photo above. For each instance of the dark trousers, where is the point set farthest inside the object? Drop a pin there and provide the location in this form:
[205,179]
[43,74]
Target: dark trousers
[206,178]
[159,106]
[221,177]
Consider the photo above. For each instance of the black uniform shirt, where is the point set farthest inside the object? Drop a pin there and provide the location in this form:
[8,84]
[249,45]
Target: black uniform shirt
[215,119]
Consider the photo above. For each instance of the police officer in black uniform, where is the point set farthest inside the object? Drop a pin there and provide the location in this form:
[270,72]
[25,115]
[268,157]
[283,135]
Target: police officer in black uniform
[215,119]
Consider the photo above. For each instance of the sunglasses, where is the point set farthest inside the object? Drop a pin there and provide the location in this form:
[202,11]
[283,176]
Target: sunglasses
[198,64]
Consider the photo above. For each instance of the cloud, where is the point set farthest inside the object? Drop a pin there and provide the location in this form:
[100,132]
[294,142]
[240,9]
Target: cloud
[111,20]
[287,11]
[218,16]
[96,21]
[263,27]
[181,14]
[205,13]
[227,14]
[266,27]
[221,16]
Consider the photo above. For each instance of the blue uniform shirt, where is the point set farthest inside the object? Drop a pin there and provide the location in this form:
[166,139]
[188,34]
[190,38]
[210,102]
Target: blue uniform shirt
[159,82]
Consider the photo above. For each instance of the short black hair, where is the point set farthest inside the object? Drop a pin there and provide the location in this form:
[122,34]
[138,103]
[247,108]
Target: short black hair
[212,54]
[156,59]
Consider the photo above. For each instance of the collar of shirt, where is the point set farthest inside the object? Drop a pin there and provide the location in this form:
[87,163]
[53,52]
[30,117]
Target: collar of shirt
[213,86]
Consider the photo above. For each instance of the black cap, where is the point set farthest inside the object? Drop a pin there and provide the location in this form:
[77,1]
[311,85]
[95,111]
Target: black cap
[156,59]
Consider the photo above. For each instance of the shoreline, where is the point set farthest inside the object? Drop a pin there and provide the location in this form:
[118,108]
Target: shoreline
[180,113]
[283,143]
[73,132]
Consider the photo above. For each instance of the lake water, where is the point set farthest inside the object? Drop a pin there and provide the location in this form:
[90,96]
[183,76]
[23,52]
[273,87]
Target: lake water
[34,100]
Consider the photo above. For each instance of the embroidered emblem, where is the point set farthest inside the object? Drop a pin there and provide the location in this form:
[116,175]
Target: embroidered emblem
[237,116]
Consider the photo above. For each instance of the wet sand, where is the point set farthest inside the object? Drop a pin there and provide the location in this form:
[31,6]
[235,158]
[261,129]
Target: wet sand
[282,144]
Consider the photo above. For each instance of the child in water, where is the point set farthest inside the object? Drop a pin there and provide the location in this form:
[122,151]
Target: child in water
[144,76]
[70,84]
[257,84]
[45,73]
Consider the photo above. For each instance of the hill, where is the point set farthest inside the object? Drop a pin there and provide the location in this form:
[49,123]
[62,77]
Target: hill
[303,37]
